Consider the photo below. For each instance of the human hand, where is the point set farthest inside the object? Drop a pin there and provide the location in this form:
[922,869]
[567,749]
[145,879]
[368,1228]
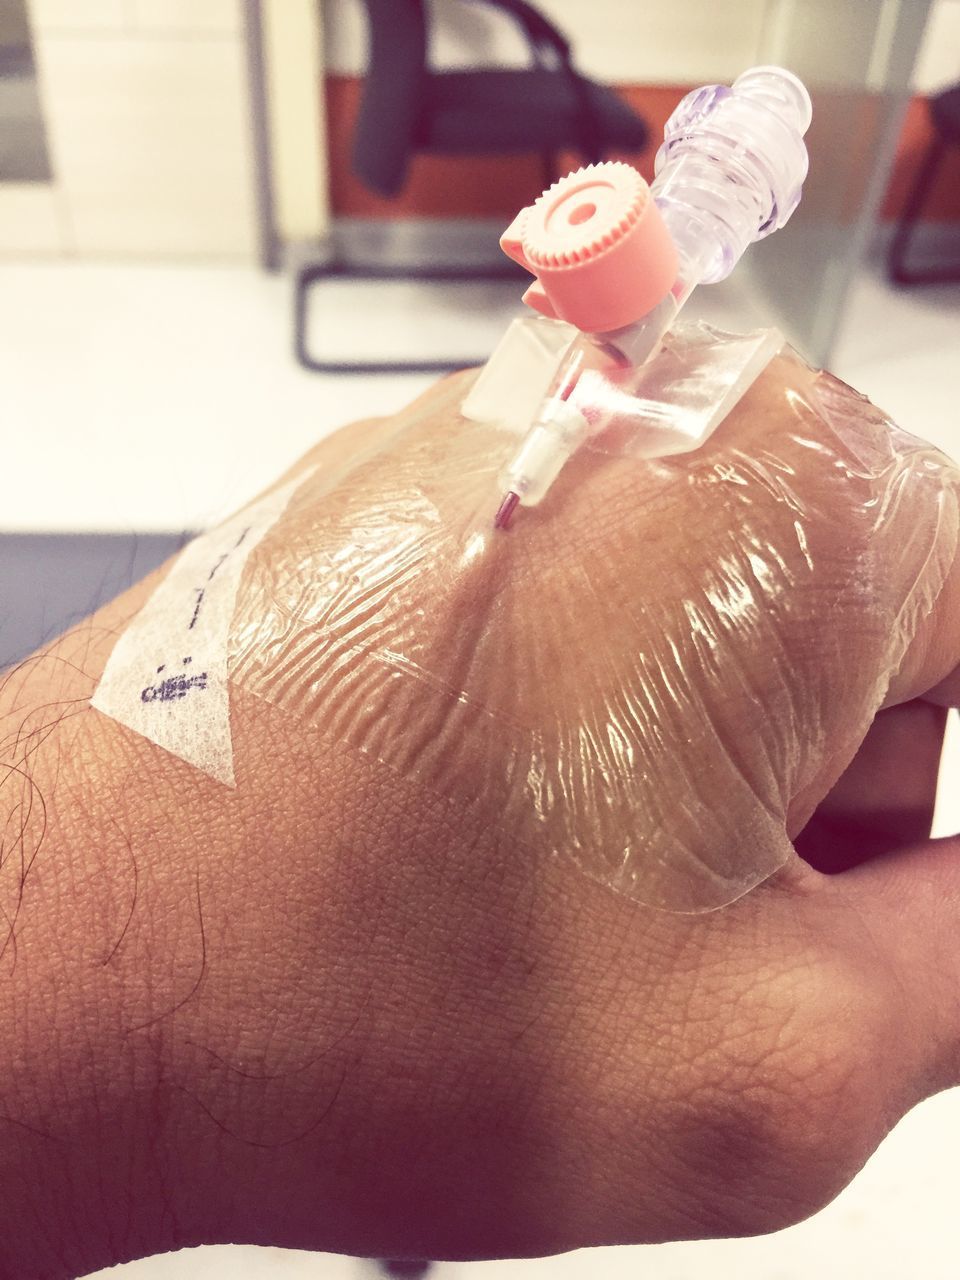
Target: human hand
[381,998]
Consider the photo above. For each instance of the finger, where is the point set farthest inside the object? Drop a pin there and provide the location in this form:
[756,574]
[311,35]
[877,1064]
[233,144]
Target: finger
[931,668]
[901,912]
[885,798]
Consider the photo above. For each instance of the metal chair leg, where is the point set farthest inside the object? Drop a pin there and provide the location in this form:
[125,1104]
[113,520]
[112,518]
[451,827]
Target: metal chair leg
[309,275]
[406,1270]
[899,247]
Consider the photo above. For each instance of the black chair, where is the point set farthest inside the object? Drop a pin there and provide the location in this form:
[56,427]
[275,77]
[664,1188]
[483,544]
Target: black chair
[407,108]
[945,115]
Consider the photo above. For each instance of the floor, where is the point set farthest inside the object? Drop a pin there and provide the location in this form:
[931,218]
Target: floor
[155,399]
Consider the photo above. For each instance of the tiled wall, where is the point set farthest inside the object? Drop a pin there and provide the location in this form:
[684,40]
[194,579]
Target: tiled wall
[615,40]
[147,119]
[652,54]
[939,61]
[622,42]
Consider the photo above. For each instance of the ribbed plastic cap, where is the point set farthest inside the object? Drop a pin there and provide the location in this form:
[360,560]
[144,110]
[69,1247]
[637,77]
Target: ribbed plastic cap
[598,246]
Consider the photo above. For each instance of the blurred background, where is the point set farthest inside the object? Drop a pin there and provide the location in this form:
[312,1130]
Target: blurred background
[230,226]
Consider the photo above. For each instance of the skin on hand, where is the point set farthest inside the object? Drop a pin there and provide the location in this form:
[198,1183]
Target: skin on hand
[331,1010]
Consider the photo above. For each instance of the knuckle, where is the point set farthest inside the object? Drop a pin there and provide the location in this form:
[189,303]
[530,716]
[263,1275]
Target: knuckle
[754,1108]
[781,1113]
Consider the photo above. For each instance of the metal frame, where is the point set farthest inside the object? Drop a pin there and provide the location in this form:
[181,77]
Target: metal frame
[269,247]
[310,274]
[899,247]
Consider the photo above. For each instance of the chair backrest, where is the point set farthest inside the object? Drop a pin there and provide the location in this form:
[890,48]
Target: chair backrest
[394,89]
[542,36]
[549,46]
[392,93]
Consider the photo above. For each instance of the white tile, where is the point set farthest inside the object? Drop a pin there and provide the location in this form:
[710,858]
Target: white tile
[344,37]
[938,62]
[185,373]
[30,219]
[899,346]
[77,15]
[291,33]
[222,16]
[214,348]
[946,820]
[151,143]
[685,42]
[241,1262]
[464,321]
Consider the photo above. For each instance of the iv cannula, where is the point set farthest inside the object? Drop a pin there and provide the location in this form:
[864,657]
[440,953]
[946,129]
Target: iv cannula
[618,259]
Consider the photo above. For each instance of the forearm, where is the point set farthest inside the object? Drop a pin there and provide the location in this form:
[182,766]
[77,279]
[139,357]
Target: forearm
[235,1014]
[146,967]
[318,1009]
[100,917]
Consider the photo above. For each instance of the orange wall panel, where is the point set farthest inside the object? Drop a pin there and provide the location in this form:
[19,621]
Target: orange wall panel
[496,186]
[944,201]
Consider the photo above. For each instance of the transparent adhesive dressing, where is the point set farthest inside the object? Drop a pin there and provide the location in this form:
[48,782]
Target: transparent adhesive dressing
[639,678]
[633,680]
[586,689]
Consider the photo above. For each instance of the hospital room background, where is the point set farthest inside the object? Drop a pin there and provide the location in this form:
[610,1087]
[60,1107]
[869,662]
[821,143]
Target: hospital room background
[220,238]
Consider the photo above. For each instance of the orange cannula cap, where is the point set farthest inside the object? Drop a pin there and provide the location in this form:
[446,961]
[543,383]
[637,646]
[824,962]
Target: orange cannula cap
[599,249]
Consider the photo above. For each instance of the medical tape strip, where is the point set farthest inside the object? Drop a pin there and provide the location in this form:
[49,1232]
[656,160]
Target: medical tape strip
[166,678]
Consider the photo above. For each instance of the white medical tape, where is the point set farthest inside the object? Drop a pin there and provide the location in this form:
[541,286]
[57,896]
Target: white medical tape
[166,678]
